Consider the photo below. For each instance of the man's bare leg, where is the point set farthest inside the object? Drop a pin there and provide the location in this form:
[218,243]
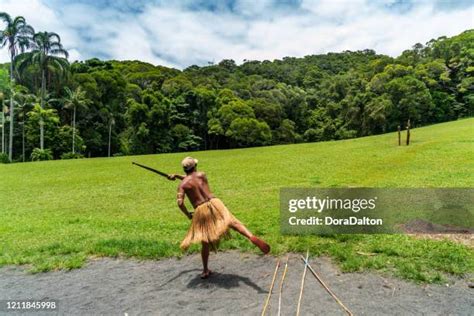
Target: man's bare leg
[205,258]
[238,226]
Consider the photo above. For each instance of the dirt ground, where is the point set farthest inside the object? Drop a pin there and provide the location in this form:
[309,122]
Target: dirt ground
[422,229]
[239,286]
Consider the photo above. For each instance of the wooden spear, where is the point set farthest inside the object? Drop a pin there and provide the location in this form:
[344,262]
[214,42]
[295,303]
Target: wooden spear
[302,284]
[327,288]
[281,285]
[271,288]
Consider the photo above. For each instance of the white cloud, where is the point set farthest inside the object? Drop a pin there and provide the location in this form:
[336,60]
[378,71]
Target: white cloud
[173,35]
[336,9]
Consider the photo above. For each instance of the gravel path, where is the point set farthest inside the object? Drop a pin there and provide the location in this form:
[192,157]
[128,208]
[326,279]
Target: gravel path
[238,287]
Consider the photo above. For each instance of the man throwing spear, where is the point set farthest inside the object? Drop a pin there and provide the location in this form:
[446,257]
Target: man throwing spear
[211,219]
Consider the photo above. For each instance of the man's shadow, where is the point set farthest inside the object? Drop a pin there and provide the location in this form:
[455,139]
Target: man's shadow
[223,280]
[178,276]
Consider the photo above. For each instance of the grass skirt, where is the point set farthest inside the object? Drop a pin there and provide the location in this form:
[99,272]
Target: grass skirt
[211,221]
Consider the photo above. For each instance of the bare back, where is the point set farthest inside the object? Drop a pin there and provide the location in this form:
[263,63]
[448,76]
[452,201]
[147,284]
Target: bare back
[196,188]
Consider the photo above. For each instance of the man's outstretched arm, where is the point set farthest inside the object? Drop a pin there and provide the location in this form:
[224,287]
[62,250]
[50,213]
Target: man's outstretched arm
[175,176]
[181,205]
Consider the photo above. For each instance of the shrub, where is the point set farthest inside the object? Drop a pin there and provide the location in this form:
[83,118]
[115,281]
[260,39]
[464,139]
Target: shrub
[4,158]
[70,155]
[249,132]
[41,154]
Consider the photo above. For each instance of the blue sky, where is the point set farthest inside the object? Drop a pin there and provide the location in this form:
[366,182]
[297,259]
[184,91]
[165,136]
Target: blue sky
[182,33]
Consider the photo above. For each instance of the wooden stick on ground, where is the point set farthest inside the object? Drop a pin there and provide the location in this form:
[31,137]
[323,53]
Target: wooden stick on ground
[271,288]
[327,288]
[281,285]
[302,284]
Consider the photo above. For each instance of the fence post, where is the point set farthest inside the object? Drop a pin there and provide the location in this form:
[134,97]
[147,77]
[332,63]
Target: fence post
[399,136]
[408,132]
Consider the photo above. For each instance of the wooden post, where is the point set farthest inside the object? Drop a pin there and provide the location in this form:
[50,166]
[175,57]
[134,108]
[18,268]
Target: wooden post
[399,136]
[408,132]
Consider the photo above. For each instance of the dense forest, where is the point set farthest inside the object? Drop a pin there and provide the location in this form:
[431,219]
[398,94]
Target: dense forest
[56,109]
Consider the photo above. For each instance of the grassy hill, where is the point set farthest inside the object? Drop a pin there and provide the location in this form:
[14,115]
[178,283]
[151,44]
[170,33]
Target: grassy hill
[56,214]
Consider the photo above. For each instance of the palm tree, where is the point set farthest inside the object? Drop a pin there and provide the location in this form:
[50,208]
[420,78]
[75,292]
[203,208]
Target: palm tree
[17,35]
[3,122]
[48,54]
[24,100]
[75,100]
[41,116]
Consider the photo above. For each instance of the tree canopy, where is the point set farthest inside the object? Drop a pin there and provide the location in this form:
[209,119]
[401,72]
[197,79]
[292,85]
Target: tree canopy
[155,109]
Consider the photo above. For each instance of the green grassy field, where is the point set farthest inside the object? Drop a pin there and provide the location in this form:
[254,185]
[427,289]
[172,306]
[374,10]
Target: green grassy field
[56,214]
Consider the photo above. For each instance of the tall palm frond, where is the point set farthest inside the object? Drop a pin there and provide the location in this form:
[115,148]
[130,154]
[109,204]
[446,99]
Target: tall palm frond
[17,35]
[49,55]
[75,100]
